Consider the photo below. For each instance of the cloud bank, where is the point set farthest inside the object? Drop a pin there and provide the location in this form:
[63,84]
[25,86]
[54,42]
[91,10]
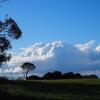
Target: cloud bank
[58,55]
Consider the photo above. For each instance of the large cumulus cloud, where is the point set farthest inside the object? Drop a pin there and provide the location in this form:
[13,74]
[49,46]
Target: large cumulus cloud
[58,55]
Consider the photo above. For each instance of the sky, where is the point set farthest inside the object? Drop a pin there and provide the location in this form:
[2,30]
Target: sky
[73,21]
[76,22]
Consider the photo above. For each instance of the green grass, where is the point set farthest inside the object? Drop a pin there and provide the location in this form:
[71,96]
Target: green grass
[71,89]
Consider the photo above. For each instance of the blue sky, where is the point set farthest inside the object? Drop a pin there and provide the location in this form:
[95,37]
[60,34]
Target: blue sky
[73,21]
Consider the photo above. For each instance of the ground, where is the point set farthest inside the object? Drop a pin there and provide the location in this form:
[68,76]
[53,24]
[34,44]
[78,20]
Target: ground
[69,89]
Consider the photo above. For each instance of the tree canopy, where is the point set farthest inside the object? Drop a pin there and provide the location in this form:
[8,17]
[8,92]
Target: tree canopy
[27,67]
[8,30]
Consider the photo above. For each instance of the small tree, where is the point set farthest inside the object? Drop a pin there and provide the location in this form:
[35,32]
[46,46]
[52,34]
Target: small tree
[27,67]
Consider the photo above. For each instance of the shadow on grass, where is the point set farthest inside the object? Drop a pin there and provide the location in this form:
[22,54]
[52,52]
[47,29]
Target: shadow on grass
[72,90]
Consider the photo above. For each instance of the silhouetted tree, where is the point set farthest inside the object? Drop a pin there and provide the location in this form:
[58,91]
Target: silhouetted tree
[56,75]
[27,67]
[48,76]
[93,76]
[89,77]
[69,75]
[77,76]
[59,75]
[9,30]
[33,77]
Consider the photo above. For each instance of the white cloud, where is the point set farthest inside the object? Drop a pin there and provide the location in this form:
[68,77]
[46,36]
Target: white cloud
[87,46]
[57,55]
[98,48]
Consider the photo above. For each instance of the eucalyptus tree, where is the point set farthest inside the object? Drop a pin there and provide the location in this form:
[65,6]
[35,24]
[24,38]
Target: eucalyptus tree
[9,30]
[26,68]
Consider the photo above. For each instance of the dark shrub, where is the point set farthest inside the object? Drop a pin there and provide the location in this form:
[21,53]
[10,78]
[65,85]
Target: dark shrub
[34,77]
[48,76]
[68,75]
[77,76]
[89,77]
[3,80]
[57,75]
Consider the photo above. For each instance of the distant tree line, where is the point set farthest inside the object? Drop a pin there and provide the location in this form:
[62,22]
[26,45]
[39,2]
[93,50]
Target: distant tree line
[27,67]
[59,75]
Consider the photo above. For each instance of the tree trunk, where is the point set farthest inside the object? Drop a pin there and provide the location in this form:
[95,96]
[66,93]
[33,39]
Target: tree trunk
[26,75]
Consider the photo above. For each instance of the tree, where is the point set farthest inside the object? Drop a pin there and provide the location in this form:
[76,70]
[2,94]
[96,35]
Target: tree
[69,75]
[9,30]
[77,76]
[27,67]
[90,77]
[57,75]
[48,76]
[33,77]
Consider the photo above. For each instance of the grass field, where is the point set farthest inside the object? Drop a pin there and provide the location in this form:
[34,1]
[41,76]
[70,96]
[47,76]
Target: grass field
[71,89]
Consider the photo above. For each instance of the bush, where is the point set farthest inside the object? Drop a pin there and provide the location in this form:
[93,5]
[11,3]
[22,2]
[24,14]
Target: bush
[34,77]
[3,80]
